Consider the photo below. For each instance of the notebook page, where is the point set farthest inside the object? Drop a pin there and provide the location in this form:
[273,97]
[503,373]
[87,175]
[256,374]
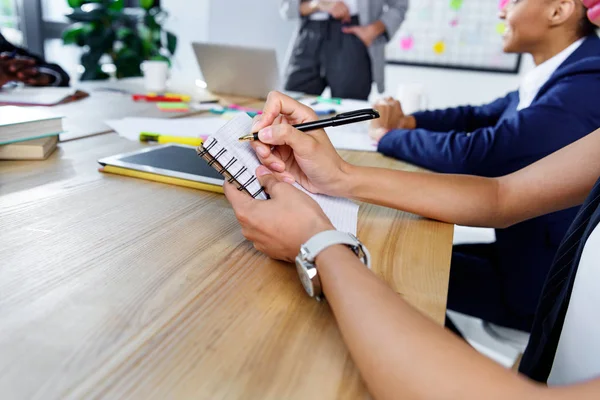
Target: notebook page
[342,213]
[237,157]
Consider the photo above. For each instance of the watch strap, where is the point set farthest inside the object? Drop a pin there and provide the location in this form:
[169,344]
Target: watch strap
[323,240]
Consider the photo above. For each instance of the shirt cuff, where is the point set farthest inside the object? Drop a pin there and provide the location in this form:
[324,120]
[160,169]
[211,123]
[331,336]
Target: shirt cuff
[57,78]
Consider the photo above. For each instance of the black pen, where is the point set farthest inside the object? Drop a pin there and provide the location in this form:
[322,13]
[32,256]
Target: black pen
[340,119]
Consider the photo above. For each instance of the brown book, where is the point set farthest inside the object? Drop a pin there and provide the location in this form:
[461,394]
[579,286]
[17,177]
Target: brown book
[37,149]
[19,124]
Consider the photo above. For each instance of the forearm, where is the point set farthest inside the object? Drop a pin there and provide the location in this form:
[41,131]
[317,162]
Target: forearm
[377,28]
[309,7]
[558,181]
[458,199]
[400,353]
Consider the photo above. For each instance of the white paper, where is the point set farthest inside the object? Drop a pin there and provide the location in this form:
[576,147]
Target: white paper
[346,105]
[131,128]
[342,213]
[35,96]
[352,137]
[238,157]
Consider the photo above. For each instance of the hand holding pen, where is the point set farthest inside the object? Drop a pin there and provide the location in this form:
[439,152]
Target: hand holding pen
[308,158]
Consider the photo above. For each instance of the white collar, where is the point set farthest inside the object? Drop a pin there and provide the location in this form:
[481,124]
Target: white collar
[537,77]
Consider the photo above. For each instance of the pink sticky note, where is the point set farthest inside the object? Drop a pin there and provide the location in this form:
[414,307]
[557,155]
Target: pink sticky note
[454,22]
[407,43]
[503,4]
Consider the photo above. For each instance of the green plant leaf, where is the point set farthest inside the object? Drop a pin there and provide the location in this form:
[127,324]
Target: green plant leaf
[117,5]
[94,73]
[88,13]
[128,63]
[75,34]
[150,22]
[171,42]
[124,32]
[146,4]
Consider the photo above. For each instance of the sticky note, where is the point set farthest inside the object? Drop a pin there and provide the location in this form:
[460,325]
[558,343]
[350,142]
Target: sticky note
[503,3]
[454,22]
[439,47]
[501,28]
[456,4]
[173,106]
[407,43]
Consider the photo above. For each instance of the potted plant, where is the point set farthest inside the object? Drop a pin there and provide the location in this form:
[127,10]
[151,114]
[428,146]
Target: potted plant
[128,36]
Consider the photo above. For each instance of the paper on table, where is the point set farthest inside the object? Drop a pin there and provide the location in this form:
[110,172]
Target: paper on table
[35,96]
[342,213]
[131,128]
[352,137]
[346,106]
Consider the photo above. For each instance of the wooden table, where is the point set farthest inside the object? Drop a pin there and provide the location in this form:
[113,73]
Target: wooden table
[112,287]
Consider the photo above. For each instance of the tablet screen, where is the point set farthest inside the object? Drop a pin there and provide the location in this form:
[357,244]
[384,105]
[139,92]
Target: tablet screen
[170,160]
[174,158]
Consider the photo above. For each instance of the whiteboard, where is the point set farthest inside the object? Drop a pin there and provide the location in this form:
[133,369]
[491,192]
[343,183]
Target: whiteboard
[459,34]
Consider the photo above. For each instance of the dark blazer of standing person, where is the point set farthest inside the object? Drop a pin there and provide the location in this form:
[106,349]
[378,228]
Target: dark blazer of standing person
[18,64]
[340,44]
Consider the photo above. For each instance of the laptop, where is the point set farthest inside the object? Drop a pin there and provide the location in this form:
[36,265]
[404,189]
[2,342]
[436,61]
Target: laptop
[239,71]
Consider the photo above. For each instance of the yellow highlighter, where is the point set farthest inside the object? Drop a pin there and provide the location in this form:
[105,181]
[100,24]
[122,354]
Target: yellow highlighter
[162,139]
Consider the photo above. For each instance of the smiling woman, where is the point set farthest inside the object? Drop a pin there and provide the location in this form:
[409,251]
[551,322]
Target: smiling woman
[543,28]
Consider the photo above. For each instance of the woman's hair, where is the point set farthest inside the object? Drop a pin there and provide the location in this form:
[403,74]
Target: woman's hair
[586,27]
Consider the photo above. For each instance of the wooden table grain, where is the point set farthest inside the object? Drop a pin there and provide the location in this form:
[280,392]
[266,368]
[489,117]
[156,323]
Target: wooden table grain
[113,287]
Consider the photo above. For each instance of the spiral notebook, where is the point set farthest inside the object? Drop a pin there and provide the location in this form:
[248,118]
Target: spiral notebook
[237,162]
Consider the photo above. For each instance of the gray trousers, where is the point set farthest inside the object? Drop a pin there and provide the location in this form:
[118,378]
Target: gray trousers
[325,56]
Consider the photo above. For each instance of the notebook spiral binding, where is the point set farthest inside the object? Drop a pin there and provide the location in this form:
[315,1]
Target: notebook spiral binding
[226,170]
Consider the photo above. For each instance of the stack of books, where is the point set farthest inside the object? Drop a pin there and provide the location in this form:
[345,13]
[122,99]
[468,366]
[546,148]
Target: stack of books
[28,133]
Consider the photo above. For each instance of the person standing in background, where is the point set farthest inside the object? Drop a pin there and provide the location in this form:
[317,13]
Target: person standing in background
[340,44]
[19,65]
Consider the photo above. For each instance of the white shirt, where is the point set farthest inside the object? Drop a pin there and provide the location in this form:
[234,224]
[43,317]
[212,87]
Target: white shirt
[577,357]
[322,16]
[537,77]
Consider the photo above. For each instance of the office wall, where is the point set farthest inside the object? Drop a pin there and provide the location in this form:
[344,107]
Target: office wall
[245,23]
[189,20]
[448,88]
[261,26]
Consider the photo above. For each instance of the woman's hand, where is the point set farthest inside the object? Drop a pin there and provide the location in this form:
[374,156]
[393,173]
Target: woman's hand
[308,158]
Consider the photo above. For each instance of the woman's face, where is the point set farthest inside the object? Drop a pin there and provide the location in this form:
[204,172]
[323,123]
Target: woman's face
[526,24]
[593,10]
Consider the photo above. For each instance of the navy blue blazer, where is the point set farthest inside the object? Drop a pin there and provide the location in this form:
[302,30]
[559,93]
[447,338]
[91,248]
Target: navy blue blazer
[495,140]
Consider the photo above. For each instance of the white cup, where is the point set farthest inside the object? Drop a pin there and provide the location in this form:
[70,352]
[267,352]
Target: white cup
[412,97]
[156,74]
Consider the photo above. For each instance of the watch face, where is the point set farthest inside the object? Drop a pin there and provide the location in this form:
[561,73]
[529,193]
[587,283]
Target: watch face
[305,279]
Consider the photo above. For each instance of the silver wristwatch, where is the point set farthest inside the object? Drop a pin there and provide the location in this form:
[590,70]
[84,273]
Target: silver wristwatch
[305,261]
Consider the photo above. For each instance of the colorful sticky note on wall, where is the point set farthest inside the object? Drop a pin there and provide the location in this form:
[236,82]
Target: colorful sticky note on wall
[503,3]
[454,23]
[407,43]
[501,28]
[439,47]
[456,4]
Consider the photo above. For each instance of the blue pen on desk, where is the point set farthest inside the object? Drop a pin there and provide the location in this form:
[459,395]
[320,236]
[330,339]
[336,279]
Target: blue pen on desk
[322,113]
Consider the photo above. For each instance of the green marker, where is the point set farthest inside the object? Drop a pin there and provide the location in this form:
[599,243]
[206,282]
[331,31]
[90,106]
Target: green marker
[329,100]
